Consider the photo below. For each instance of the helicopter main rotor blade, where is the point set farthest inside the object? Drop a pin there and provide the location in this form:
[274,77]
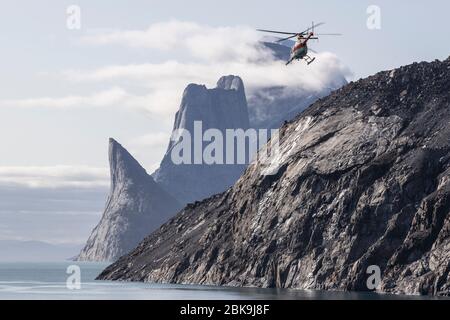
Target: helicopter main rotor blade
[281,40]
[312,27]
[328,34]
[293,34]
[279,32]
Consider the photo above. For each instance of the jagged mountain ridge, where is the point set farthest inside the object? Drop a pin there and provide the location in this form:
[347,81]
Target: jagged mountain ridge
[135,207]
[363,179]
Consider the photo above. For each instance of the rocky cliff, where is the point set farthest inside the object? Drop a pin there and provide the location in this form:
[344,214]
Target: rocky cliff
[362,179]
[221,108]
[136,206]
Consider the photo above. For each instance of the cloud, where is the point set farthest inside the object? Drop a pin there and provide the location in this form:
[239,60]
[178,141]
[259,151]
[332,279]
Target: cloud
[115,97]
[256,75]
[201,54]
[162,35]
[99,99]
[165,81]
[213,44]
[196,54]
[54,177]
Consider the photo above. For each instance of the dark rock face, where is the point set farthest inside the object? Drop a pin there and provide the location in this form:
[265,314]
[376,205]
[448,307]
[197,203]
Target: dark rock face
[363,179]
[136,206]
[270,107]
[221,108]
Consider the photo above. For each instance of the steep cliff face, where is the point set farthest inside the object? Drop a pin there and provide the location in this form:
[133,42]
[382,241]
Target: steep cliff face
[136,206]
[221,108]
[363,178]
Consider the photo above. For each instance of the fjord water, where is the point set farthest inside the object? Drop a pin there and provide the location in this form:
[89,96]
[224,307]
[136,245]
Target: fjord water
[47,280]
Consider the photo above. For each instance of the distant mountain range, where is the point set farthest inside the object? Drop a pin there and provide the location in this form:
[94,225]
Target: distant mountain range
[36,251]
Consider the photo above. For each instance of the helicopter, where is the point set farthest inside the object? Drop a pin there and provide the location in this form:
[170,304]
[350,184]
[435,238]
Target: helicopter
[300,49]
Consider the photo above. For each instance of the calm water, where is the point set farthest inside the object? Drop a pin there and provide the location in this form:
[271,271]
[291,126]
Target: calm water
[48,281]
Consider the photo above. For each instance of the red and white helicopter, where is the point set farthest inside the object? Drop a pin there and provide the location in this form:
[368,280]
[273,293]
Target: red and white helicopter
[300,49]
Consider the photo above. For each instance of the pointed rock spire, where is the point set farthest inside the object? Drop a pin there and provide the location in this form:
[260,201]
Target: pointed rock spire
[136,206]
[123,167]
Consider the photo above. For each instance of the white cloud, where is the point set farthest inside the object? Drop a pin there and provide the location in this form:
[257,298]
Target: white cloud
[205,53]
[255,75]
[213,44]
[165,81]
[197,54]
[99,99]
[54,176]
[162,35]
[115,97]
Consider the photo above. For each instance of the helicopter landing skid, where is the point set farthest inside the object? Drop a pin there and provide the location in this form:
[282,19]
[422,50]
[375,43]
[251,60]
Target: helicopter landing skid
[311,61]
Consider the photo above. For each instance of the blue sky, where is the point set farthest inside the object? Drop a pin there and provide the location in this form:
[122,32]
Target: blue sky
[78,72]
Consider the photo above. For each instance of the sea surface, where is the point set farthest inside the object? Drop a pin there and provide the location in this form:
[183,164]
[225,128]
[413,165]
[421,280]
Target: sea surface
[49,280]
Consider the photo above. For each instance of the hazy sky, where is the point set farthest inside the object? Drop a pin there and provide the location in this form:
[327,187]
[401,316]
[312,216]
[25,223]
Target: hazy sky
[64,92]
